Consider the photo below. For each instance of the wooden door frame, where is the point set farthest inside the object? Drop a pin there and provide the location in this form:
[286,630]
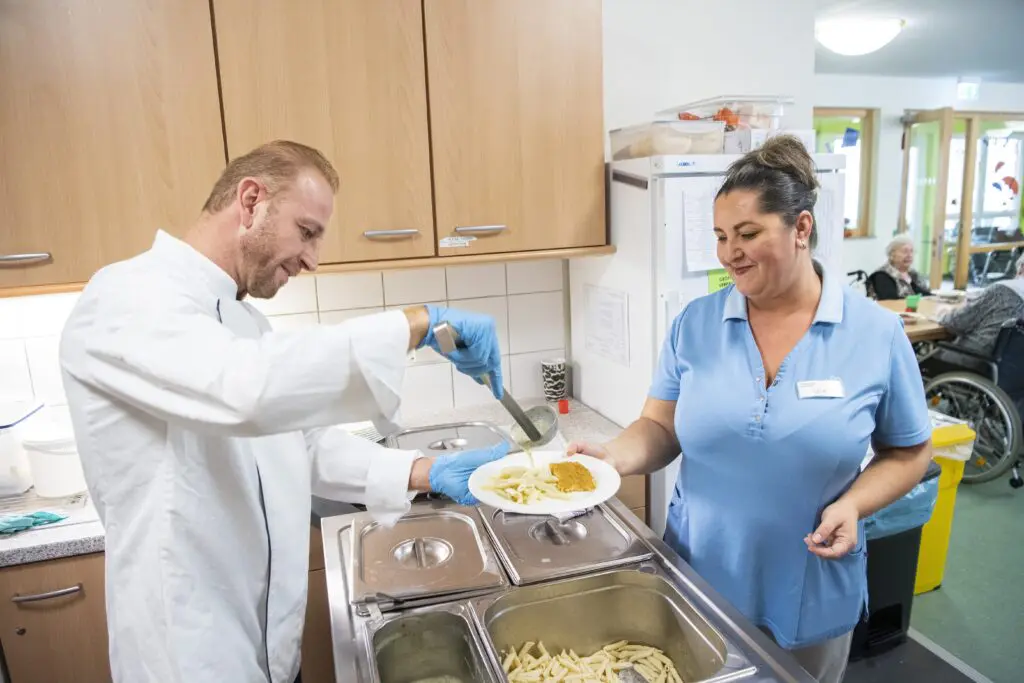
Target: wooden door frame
[944,117]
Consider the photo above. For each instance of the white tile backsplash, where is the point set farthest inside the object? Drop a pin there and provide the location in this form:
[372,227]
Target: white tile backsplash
[413,285]
[525,277]
[527,381]
[35,316]
[44,365]
[473,282]
[530,320]
[335,317]
[426,389]
[15,380]
[469,393]
[341,291]
[297,296]
[536,322]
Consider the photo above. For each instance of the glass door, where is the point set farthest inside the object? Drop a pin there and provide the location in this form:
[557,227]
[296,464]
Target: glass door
[993,170]
[927,139]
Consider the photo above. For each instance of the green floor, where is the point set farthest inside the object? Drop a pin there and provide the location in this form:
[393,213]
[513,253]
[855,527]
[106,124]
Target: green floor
[978,613]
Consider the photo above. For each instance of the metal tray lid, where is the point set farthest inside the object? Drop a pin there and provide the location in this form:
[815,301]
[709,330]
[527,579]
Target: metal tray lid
[536,548]
[429,552]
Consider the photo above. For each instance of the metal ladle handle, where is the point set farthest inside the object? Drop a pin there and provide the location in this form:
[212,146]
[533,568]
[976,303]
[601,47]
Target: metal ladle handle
[448,341]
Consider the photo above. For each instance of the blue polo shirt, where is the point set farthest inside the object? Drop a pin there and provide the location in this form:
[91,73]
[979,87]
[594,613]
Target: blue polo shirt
[760,465]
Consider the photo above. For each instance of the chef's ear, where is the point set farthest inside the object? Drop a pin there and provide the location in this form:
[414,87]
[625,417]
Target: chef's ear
[250,193]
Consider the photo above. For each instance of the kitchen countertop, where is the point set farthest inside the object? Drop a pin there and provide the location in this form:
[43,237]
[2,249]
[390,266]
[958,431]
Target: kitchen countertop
[68,540]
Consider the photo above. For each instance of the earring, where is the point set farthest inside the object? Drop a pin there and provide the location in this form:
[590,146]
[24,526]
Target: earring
[801,244]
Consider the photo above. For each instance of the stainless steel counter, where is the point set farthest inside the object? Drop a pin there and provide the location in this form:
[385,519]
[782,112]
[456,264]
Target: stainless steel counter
[463,626]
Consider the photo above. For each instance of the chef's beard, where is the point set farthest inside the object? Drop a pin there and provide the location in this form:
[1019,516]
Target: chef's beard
[260,259]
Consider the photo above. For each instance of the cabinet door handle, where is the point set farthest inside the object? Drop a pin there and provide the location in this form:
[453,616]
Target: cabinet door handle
[384,234]
[47,596]
[24,259]
[471,229]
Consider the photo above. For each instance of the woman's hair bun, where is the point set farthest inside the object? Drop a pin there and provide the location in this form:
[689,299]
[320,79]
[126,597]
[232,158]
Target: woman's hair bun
[787,153]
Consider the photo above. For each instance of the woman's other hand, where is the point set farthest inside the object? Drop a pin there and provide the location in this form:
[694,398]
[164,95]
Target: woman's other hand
[599,451]
[836,536]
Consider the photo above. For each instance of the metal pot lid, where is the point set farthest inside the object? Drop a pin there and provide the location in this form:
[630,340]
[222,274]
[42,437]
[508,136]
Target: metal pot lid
[429,552]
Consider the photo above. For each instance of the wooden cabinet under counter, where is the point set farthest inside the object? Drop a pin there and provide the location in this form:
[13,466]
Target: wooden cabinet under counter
[317,646]
[53,616]
[348,78]
[111,130]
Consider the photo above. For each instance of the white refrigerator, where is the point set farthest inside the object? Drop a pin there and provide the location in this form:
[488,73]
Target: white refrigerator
[660,217]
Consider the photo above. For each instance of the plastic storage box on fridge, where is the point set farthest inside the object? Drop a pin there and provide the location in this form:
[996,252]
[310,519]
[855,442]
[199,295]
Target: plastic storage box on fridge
[735,111]
[667,137]
[747,139]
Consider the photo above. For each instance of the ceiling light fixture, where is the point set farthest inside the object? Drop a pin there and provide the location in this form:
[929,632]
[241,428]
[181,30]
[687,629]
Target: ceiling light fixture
[856,36]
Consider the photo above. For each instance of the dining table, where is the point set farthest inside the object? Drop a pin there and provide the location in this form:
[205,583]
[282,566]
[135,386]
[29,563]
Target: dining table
[923,326]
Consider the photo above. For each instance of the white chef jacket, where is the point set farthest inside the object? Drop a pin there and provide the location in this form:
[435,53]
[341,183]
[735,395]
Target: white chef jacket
[202,434]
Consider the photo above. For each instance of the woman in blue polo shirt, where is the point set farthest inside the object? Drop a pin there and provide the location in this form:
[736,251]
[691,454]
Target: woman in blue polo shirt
[772,389]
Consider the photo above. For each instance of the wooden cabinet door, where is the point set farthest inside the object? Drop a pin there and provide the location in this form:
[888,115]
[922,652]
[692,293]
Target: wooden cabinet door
[347,77]
[516,120]
[109,130]
[57,631]
[317,646]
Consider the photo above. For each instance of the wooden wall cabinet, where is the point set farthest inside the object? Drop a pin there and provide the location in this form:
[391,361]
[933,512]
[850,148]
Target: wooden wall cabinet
[479,119]
[110,129]
[346,77]
[517,123]
[57,631]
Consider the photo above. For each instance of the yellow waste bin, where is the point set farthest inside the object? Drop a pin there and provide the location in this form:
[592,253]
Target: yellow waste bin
[953,442]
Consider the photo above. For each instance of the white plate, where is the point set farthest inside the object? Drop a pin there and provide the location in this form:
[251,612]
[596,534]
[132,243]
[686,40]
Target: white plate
[607,479]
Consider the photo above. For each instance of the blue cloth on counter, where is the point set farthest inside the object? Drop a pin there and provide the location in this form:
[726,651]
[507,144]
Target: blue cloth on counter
[760,464]
[12,524]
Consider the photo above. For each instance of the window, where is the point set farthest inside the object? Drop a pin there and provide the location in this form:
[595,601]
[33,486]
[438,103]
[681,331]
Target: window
[851,132]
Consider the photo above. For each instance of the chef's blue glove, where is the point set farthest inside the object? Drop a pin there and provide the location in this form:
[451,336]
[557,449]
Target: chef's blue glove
[450,473]
[481,356]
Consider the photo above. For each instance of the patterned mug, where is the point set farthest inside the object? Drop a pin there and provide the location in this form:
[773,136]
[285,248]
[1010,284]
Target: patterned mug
[554,376]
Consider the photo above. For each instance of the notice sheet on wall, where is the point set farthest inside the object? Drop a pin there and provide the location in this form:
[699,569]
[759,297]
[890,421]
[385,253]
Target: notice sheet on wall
[699,238]
[607,323]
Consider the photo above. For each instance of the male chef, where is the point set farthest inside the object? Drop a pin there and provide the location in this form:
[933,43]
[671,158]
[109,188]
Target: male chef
[203,433]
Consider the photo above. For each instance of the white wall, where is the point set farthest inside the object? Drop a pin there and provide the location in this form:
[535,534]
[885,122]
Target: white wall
[893,96]
[660,53]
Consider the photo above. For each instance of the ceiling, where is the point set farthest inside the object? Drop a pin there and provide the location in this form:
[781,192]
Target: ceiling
[942,38]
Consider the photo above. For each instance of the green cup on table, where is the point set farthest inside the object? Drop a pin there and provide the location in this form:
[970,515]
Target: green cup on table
[912,301]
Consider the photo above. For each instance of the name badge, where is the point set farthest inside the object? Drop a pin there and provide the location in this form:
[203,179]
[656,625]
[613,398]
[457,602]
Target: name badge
[822,388]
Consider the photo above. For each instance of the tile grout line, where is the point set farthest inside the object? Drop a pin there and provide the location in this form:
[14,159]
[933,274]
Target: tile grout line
[948,657]
[28,369]
[451,368]
[316,298]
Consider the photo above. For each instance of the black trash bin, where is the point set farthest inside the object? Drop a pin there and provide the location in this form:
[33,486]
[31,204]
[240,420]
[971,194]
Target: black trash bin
[892,570]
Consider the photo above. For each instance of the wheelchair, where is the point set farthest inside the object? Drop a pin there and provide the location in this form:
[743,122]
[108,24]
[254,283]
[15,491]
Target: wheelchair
[988,393]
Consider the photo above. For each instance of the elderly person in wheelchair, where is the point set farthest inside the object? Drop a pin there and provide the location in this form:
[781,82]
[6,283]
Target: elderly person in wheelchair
[979,376]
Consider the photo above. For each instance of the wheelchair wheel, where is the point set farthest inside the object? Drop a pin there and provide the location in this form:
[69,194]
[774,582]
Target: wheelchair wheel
[989,412]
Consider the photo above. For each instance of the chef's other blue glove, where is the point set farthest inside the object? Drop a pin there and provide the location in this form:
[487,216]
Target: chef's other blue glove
[482,355]
[450,473]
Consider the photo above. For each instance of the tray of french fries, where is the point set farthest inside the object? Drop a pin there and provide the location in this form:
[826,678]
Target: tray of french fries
[533,663]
